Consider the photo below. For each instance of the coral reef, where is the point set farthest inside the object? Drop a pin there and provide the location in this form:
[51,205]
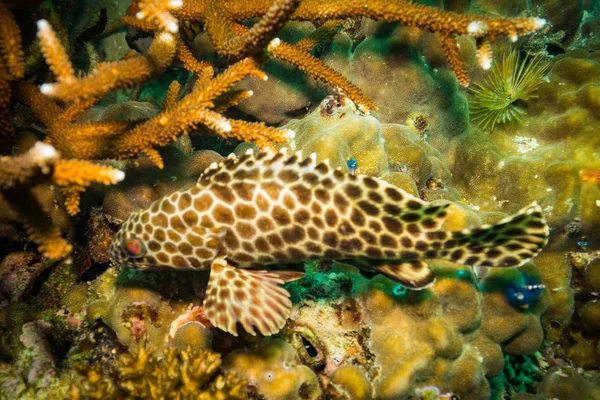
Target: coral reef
[108,106]
[452,337]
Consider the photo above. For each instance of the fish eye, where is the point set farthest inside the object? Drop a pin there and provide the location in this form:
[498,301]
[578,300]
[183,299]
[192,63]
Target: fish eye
[134,248]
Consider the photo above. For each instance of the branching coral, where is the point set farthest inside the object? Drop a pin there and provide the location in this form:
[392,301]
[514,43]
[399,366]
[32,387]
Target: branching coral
[186,374]
[496,100]
[121,140]
[222,22]
[12,66]
[108,76]
[20,175]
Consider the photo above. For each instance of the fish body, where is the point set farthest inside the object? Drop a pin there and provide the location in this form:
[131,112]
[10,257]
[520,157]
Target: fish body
[261,212]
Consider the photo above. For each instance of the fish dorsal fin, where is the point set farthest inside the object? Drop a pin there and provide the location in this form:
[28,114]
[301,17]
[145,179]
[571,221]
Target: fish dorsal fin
[374,196]
[252,298]
[263,166]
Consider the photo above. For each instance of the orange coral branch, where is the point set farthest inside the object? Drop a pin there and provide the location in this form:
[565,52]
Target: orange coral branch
[452,53]
[38,224]
[232,99]
[12,66]
[193,110]
[83,174]
[108,76]
[54,53]
[189,62]
[220,17]
[41,164]
[20,170]
[317,69]
[115,139]
[74,176]
[327,30]
[408,13]
[10,44]
[6,127]
[171,96]
[157,12]
[235,47]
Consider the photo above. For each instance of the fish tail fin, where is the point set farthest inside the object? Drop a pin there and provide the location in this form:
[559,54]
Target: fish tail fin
[510,243]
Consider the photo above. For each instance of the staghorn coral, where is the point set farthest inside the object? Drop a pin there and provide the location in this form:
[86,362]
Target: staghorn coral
[116,139]
[232,40]
[12,67]
[42,163]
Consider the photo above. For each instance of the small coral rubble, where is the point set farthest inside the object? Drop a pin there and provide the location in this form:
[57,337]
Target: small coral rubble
[179,374]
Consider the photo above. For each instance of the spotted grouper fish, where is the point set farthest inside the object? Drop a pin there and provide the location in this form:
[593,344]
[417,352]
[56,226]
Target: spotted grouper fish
[249,217]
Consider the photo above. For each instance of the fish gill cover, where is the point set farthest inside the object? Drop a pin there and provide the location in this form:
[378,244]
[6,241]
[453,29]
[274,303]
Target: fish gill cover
[283,199]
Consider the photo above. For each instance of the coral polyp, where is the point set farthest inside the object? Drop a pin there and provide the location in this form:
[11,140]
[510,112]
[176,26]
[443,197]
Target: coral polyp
[499,98]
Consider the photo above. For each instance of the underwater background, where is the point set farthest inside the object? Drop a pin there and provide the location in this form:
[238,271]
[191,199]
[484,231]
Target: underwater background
[480,107]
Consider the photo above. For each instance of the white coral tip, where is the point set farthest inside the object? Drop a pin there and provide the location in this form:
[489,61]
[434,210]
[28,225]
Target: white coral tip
[140,14]
[119,175]
[274,43]
[477,28]
[250,93]
[290,133]
[45,150]
[172,27]
[514,37]
[166,37]
[486,63]
[249,152]
[538,23]
[176,3]
[43,25]
[47,88]
[224,126]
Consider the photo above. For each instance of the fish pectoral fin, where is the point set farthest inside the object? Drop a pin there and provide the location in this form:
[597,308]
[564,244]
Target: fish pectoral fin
[288,276]
[252,298]
[412,274]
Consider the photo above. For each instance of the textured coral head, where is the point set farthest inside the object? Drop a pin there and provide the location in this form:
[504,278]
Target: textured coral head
[167,235]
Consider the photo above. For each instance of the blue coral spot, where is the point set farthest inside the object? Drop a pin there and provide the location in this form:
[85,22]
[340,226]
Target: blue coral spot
[521,295]
[399,290]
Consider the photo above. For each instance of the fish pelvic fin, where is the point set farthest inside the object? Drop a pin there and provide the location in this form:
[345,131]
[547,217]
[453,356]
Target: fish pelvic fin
[510,243]
[415,274]
[252,298]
